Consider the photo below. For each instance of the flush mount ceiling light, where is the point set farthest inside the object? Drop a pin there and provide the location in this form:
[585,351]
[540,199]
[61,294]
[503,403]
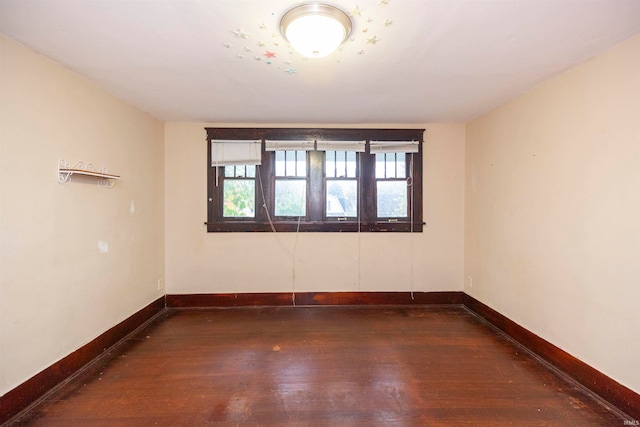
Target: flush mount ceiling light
[315,29]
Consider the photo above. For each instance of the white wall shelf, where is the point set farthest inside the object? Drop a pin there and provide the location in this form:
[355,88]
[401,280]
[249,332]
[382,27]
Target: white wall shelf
[66,171]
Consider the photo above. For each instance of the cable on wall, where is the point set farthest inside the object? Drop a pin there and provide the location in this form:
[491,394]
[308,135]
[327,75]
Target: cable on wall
[264,201]
[293,264]
[359,225]
[411,238]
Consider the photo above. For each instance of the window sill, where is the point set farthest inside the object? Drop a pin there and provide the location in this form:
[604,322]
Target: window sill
[304,226]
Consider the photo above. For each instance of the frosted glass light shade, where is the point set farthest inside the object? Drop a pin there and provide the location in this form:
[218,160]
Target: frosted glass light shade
[316,29]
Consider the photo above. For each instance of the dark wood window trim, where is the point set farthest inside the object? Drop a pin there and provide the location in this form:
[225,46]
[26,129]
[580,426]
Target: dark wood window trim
[315,220]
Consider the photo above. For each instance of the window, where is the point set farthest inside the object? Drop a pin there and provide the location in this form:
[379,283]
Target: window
[276,179]
[341,183]
[391,185]
[239,189]
[290,176]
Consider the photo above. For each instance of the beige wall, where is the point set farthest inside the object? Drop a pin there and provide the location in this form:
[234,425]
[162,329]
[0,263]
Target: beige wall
[552,220]
[201,262]
[58,290]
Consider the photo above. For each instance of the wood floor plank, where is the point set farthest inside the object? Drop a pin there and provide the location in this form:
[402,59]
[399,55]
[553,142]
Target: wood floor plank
[320,366]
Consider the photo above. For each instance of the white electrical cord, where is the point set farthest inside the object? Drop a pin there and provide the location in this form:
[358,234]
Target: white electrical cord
[293,264]
[359,224]
[264,201]
[410,184]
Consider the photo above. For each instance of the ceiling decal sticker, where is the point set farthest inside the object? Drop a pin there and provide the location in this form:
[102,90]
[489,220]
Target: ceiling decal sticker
[368,20]
[240,34]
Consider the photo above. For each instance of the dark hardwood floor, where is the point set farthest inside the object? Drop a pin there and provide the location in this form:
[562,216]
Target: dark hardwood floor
[319,366]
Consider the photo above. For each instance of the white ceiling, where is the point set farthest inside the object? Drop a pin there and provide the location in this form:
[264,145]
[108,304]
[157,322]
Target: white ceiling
[432,61]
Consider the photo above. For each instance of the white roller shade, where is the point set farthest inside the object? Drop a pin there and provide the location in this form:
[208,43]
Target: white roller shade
[273,145]
[235,152]
[394,147]
[341,146]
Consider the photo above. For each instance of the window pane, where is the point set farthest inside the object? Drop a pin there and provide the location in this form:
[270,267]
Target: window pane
[401,165]
[340,164]
[392,199]
[302,164]
[380,162]
[280,163]
[330,171]
[291,163]
[391,165]
[239,198]
[342,198]
[240,171]
[291,197]
[351,164]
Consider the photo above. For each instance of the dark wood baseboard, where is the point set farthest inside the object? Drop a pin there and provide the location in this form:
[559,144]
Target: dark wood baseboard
[37,386]
[608,389]
[312,299]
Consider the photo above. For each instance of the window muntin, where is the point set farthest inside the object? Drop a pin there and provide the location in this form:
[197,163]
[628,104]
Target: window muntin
[366,142]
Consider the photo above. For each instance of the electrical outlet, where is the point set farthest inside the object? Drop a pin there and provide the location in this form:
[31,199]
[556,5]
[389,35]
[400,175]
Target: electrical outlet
[159,284]
[470,281]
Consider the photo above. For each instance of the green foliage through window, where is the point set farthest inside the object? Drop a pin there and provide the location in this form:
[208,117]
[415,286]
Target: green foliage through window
[239,198]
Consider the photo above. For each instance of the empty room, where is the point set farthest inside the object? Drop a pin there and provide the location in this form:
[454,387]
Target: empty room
[336,213]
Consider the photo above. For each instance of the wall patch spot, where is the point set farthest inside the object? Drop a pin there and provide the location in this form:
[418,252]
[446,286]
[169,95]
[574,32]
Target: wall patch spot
[103,246]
